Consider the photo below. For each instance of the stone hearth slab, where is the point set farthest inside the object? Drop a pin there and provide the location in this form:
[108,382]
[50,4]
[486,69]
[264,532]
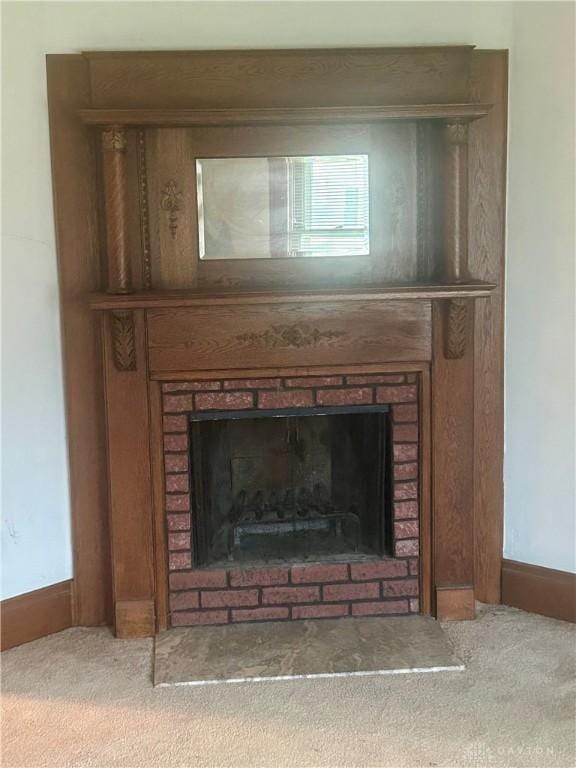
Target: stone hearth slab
[302,649]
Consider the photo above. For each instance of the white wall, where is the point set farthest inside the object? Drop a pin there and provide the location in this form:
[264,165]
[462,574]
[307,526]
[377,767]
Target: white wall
[540,342]
[35,516]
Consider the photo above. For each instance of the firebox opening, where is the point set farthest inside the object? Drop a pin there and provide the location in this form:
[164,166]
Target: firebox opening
[289,486]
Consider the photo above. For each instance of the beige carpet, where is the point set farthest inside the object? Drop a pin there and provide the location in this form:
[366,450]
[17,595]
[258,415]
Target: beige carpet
[81,698]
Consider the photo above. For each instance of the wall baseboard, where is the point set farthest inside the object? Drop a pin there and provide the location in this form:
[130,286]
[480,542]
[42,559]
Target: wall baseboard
[36,614]
[539,590]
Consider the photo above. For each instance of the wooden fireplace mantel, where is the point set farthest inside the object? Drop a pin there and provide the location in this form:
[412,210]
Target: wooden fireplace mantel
[140,307]
[453,296]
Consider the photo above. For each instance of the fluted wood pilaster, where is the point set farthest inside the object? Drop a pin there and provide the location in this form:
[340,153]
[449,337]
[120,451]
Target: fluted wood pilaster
[455,201]
[115,201]
[455,240]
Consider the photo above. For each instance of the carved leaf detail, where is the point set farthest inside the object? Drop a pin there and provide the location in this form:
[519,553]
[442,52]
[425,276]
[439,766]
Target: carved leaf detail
[123,348]
[456,132]
[172,201]
[456,329]
[284,336]
[114,139]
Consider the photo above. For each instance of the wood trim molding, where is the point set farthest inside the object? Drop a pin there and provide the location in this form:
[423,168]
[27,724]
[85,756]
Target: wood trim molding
[135,618]
[539,590]
[158,491]
[36,614]
[173,298]
[294,371]
[452,468]
[455,603]
[73,169]
[487,207]
[282,115]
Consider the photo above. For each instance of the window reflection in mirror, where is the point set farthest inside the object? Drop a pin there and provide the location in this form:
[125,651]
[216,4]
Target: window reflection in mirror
[281,207]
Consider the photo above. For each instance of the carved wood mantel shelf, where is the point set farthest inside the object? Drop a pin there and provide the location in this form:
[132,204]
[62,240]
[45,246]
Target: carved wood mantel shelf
[149,299]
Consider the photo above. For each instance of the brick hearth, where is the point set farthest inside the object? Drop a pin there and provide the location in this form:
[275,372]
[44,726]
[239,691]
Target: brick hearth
[375,586]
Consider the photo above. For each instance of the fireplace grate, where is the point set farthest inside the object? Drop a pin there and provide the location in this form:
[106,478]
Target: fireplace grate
[297,512]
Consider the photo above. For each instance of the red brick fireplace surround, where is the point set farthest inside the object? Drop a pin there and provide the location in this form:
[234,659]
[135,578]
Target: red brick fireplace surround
[379,585]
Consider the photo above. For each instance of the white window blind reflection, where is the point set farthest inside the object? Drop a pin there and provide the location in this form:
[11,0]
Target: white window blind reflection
[329,205]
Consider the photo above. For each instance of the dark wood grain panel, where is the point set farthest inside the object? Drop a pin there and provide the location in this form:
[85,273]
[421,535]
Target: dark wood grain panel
[172,208]
[292,273]
[453,464]
[297,334]
[74,171]
[429,203]
[129,469]
[246,79]
[487,176]
[262,141]
[393,202]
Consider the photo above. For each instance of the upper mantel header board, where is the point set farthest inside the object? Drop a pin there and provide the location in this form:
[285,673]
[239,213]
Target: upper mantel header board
[250,79]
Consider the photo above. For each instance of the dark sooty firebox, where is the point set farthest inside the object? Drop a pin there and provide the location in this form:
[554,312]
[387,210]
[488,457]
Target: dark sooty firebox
[290,486]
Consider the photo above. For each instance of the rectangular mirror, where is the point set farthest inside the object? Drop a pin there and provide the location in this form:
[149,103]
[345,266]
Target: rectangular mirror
[283,207]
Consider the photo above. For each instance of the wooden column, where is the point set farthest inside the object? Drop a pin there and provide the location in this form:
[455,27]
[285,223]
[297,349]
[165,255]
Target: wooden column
[455,201]
[115,201]
[457,312]
[453,399]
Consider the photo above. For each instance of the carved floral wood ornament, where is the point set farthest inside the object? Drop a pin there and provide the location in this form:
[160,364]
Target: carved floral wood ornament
[457,318]
[413,307]
[172,202]
[456,132]
[114,139]
[124,351]
[296,335]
